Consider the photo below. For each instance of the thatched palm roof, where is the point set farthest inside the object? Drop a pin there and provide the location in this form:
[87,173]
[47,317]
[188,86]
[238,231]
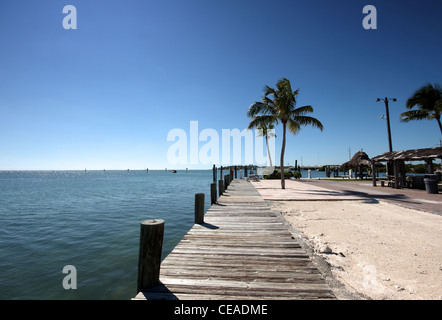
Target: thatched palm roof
[360,158]
[411,155]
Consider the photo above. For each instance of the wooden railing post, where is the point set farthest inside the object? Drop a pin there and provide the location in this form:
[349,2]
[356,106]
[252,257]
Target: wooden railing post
[213,193]
[199,207]
[220,187]
[149,257]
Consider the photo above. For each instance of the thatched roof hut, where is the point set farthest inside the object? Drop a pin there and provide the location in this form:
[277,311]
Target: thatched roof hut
[411,155]
[359,159]
[396,161]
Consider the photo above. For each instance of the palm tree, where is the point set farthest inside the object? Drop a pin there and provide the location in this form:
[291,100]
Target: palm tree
[279,105]
[264,130]
[428,99]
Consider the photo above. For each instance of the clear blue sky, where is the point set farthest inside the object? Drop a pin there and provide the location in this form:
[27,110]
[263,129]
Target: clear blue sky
[106,95]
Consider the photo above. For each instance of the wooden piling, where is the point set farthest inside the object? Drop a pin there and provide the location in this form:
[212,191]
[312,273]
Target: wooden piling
[213,193]
[149,257]
[199,207]
[220,187]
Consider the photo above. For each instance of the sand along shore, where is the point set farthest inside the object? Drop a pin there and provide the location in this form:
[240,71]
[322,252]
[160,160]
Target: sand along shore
[374,248]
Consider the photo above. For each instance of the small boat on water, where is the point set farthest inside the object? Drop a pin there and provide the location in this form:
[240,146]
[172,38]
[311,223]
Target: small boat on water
[173,171]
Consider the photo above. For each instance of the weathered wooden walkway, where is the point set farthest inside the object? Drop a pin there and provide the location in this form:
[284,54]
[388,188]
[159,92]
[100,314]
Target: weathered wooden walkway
[242,251]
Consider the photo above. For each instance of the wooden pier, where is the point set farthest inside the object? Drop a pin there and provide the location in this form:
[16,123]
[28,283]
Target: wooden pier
[243,250]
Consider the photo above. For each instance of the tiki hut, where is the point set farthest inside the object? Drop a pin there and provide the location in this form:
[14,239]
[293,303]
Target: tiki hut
[358,162]
[427,155]
[396,162]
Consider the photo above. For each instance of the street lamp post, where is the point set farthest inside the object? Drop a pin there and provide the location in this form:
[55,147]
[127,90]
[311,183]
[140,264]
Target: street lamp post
[388,119]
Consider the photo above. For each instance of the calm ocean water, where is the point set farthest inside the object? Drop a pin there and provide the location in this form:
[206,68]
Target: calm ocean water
[91,220]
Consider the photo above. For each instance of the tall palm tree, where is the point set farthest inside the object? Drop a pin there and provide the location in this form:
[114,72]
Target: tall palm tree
[428,99]
[279,105]
[264,130]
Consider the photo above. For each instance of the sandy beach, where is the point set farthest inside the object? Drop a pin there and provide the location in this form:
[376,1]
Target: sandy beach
[375,249]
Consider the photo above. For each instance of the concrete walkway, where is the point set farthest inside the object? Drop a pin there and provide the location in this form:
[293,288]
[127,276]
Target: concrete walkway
[297,190]
[316,189]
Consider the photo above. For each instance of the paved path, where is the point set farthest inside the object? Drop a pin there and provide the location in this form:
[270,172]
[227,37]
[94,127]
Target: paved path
[297,190]
[315,189]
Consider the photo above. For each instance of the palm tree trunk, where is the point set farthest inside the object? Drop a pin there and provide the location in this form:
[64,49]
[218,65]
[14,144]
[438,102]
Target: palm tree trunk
[268,151]
[284,124]
[440,124]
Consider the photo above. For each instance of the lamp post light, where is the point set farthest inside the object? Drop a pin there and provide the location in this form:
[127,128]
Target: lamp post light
[388,119]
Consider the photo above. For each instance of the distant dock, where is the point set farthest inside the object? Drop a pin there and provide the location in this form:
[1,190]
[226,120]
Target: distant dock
[242,250]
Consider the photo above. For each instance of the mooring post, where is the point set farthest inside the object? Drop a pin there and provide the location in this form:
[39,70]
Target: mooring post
[199,207]
[214,173]
[220,187]
[236,172]
[149,257]
[213,193]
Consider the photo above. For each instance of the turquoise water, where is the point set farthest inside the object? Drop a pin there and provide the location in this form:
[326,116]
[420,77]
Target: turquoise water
[50,219]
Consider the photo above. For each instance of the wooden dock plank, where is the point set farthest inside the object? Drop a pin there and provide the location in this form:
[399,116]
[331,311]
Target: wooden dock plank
[241,251]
